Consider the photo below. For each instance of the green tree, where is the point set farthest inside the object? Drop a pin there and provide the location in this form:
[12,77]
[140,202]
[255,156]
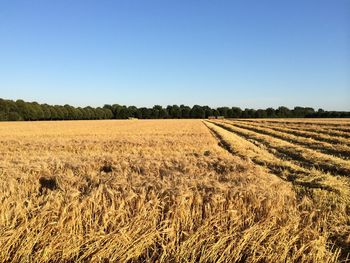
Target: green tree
[155,111]
[14,116]
[60,113]
[270,112]
[23,110]
[46,111]
[283,112]
[132,111]
[260,113]
[53,113]
[185,111]
[108,113]
[146,113]
[38,113]
[236,112]
[197,112]
[223,111]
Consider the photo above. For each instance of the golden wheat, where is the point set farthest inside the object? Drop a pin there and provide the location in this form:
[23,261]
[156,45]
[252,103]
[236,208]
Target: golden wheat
[162,190]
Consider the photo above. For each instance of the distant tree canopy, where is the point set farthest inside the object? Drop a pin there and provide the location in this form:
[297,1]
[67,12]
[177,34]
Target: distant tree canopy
[32,111]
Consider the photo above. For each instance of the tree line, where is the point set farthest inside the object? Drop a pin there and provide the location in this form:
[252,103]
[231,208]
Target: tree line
[20,110]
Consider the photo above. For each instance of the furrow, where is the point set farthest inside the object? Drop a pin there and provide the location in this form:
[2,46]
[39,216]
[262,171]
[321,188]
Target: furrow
[341,151]
[303,156]
[314,127]
[307,134]
[342,124]
[284,169]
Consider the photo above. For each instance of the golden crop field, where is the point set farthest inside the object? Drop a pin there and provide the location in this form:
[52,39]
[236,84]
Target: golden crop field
[175,191]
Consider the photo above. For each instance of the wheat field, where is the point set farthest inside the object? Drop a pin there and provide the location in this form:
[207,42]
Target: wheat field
[175,191]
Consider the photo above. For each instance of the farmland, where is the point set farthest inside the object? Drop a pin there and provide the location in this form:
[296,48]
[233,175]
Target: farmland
[267,190]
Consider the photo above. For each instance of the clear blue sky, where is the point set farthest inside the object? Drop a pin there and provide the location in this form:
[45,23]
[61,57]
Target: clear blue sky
[218,53]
